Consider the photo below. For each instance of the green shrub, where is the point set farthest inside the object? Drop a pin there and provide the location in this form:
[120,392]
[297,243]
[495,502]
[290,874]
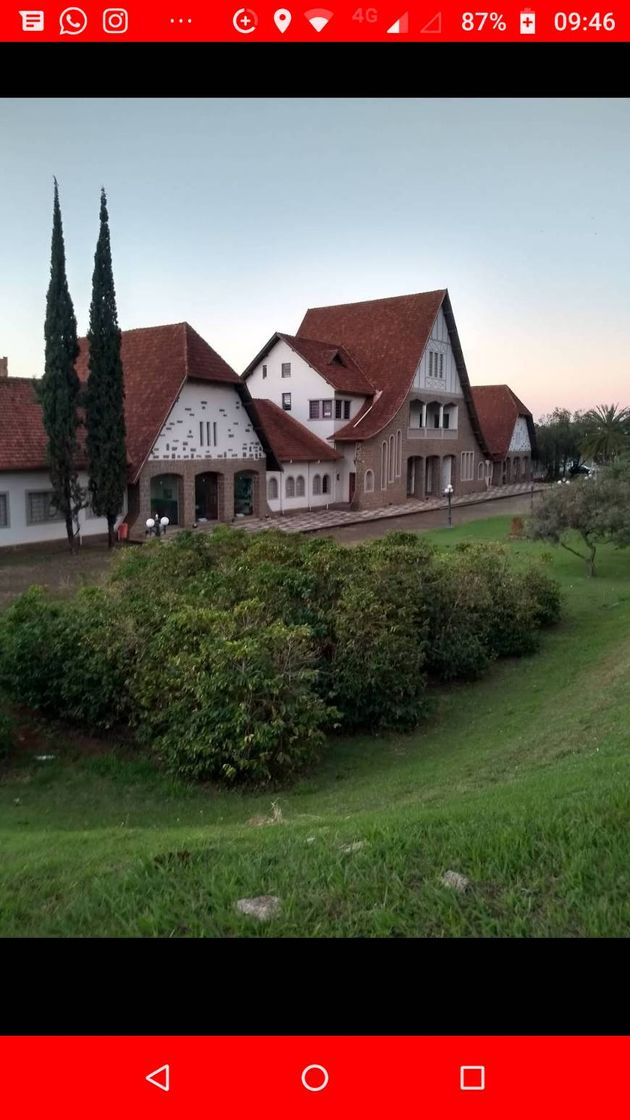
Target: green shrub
[376,675]
[545,595]
[67,658]
[459,602]
[227,695]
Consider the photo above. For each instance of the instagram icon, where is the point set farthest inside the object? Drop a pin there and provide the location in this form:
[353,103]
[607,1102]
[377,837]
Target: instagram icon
[115,21]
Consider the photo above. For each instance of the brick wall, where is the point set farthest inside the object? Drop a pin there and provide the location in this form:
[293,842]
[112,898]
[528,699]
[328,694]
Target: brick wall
[187,471]
[420,448]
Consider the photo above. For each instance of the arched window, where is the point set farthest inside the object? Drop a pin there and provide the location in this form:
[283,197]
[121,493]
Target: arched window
[289,487]
[299,486]
[326,484]
[317,484]
[272,489]
[369,482]
[398,453]
[392,459]
[383,465]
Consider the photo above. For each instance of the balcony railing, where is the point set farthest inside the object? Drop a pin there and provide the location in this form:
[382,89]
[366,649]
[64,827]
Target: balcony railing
[432,433]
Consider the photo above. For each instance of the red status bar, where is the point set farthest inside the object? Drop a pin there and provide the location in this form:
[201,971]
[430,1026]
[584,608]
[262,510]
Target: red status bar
[392,21]
[332,1077]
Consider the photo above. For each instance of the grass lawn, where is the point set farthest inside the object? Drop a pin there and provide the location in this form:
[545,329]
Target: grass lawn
[519,781]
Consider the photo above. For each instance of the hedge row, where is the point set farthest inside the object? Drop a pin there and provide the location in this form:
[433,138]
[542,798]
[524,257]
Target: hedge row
[232,655]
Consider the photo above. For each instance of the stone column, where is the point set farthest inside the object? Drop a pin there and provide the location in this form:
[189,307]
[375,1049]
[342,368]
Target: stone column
[424,415]
[441,424]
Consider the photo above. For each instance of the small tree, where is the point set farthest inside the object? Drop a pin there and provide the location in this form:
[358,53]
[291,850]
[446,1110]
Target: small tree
[60,388]
[105,396]
[595,510]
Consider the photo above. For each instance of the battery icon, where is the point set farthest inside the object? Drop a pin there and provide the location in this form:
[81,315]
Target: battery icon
[528,22]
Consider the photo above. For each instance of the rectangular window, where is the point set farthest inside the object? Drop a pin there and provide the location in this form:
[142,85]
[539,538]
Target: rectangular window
[338,409]
[214,432]
[4,511]
[346,410]
[40,508]
[264,371]
[313,410]
[441,365]
[436,420]
[201,433]
[208,432]
[286,401]
[468,466]
[286,369]
[445,420]
[327,410]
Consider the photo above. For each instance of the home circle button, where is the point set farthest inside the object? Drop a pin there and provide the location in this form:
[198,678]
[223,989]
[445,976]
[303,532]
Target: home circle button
[314,1078]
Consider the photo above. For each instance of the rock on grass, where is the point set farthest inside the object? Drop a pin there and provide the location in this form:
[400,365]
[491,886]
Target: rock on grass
[264,907]
[455,881]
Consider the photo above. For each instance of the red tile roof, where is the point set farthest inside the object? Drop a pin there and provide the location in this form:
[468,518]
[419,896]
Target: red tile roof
[289,439]
[334,363]
[386,337]
[156,362]
[330,359]
[498,409]
[22,435]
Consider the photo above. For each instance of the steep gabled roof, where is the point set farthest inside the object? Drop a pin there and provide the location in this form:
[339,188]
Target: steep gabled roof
[22,435]
[329,359]
[498,409]
[387,338]
[289,439]
[157,361]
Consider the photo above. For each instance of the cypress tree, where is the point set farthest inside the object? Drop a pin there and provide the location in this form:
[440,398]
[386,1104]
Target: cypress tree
[59,389]
[105,397]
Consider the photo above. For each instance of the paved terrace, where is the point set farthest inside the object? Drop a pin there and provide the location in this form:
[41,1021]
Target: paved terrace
[322,519]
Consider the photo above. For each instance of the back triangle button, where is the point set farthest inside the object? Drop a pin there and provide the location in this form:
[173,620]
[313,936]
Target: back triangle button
[161,1078]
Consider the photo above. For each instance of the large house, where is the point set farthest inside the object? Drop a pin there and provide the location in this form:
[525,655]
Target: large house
[195,448]
[384,382]
[367,405]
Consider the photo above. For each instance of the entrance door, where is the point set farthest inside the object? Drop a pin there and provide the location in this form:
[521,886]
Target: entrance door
[353,484]
[164,497]
[206,497]
[243,495]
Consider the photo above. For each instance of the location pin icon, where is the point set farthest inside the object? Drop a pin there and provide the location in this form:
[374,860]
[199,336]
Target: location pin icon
[282,19]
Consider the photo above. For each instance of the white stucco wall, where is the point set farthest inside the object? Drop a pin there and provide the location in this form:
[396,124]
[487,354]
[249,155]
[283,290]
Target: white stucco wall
[282,504]
[202,403]
[439,341]
[17,485]
[520,437]
[304,385]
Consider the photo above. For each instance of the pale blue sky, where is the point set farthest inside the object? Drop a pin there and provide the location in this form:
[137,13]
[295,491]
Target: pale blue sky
[239,214]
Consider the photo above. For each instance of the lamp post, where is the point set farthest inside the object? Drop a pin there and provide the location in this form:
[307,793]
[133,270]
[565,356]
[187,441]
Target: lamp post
[448,493]
[156,526]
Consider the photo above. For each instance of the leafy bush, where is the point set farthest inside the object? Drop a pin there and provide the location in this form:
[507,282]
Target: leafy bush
[67,658]
[227,695]
[232,654]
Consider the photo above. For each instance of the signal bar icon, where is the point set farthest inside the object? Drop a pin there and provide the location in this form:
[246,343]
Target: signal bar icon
[318,18]
[400,27]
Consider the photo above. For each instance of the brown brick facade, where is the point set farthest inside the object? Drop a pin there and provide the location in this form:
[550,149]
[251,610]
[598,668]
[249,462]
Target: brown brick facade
[186,472]
[420,448]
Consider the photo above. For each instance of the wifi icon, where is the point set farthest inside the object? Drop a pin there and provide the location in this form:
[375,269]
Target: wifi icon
[318,18]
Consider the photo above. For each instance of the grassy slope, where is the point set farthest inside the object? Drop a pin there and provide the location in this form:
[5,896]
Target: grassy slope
[520,781]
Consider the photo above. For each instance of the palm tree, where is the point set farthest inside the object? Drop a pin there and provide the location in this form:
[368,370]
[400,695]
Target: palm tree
[607,432]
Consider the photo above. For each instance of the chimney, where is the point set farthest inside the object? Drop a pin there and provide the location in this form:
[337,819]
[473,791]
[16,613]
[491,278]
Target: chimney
[4,367]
